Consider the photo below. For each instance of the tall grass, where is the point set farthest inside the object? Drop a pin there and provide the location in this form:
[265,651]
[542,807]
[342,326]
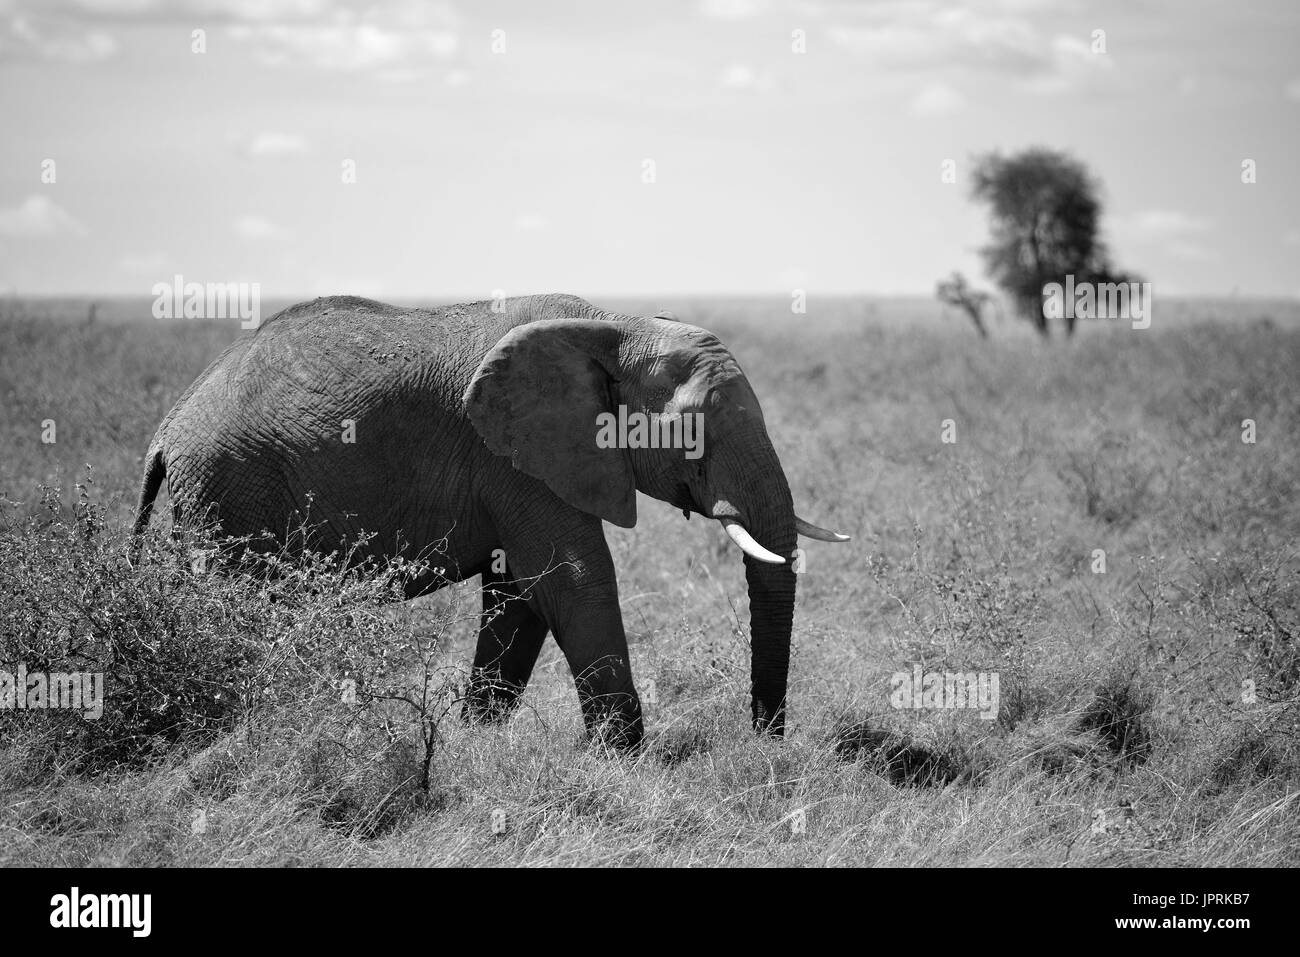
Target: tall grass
[1149,702]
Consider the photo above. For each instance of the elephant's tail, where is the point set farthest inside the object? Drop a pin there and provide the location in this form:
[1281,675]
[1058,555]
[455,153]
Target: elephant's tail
[154,473]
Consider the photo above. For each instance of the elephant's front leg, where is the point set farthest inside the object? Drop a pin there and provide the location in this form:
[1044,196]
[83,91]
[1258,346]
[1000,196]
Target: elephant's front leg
[509,639]
[588,626]
[571,583]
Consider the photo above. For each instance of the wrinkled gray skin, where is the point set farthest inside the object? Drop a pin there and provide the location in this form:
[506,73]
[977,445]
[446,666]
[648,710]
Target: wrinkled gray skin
[478,426]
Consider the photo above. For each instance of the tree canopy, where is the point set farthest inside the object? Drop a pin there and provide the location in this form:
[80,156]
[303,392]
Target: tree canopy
[1046,211]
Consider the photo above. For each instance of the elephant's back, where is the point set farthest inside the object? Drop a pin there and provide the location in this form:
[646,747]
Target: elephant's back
[359,351]
[345,402]
[342,351]
[369,344]
[345,399]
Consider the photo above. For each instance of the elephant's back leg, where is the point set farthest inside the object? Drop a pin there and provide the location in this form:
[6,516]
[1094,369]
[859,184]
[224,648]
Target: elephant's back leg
[510,638]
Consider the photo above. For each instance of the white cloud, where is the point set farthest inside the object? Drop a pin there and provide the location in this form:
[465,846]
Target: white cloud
[256,228]
[1174,232]
[921,37]
[116,8]
[152,263]
[937,99]
[457,78]
[1074,64]
[738,76]
[1022,6]
[389,35]
[1156,224]
[38,216]
[275,144]
[529,223]
[397,39]
[67,42]
[402,74]
[1068,48]
[738,10]
[345,46]
[731,9]
[993,38]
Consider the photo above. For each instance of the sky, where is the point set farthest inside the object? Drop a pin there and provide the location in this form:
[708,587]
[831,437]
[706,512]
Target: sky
[411,149]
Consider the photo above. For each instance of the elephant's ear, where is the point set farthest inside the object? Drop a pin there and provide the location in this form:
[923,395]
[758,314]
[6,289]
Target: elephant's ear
[537,396]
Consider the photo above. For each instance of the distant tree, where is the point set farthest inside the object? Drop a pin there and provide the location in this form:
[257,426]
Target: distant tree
[955,291]
[1046,208]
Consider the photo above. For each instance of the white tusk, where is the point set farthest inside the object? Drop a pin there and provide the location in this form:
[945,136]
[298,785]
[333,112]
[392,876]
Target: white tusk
[747,543]
[809,530]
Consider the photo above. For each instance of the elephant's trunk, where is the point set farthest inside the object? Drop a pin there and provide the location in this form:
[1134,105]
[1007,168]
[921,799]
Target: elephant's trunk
[771,615]
[766,510]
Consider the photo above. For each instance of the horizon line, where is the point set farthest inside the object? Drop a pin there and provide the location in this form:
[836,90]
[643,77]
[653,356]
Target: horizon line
[479,297]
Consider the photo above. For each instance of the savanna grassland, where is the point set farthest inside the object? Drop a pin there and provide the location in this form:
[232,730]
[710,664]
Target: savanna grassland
[1124,733]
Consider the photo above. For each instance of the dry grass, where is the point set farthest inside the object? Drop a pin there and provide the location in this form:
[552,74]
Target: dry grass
[1122,736]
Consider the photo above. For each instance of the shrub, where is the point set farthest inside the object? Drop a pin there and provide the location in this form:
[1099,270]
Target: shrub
[289,649]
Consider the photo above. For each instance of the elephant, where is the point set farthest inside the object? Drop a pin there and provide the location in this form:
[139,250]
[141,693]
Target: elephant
[473,430]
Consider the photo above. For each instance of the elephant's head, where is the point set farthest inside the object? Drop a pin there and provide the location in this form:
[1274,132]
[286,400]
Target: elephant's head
[551,394]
